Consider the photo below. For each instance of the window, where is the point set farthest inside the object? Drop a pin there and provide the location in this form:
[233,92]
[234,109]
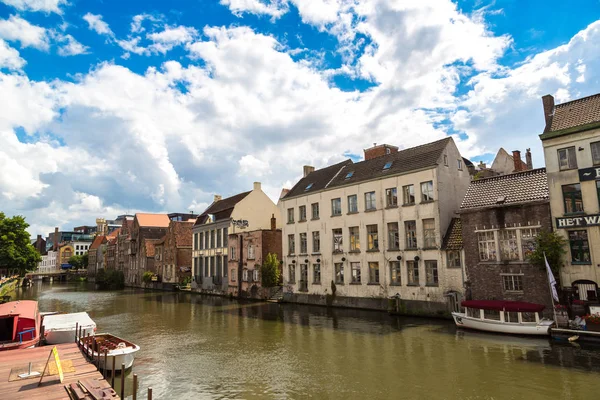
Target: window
[233,252]
[336,206]
[303,243]
[291,244]
[391,197]
[352,204]
[339,273]
[308,187]
[219,237]
[487,246]
[393,236]
[513,283]
[370,202]
[572,198]
[408,195]
[255,277]
[354,238]
[317,274]
[337,240]
[355,269]
[429,233]
[445,160]
[373,272]
[302,213]
[372,238]
[349,174]
[580,247]
[567,159]
[316,239]
[212,239]
[454,259]
[251,251]
[290,215]
[528,236]
[411,234]
[212,266]
[387,165]
[245,275]
[206,241]
[197,241]
[459,165]
[412,268]
[431,272]
[595,152]
[315,210]
[225,237]
[206,266]
[292,273]
[427,191]
[395,272]
[509,249]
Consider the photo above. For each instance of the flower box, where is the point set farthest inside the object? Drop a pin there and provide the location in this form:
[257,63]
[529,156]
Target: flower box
[592,323]
[592,327]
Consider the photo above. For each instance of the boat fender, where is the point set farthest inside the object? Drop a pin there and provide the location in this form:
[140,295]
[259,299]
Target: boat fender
[573,338]
[121,345]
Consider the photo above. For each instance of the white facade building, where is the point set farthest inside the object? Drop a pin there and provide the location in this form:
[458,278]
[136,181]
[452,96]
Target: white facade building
[49,263]
[81,248]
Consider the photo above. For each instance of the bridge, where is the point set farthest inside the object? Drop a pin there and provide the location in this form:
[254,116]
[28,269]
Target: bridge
[61,274]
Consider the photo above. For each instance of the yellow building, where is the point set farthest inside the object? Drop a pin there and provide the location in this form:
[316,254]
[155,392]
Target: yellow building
[64,253]
[571,143]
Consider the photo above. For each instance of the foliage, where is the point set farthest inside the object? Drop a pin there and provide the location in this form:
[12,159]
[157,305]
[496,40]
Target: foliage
[186,281]
[110,279]
[85,260]
[16,251]
[592,319]
[77,262]
[478,175]
[553,245]
[147,277]
[269,271]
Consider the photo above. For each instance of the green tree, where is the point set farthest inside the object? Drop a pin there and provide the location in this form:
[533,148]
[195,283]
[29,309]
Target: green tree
[16,251]
[77,262]
[85,260]
[553,246]
[269,271]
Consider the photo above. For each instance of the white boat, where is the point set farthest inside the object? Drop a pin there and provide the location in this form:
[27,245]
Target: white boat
[60,328]
[121,350]
[514,317]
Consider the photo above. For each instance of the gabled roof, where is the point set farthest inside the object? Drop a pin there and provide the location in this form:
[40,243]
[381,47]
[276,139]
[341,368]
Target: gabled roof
[153,220]
[453,238]
[113,234]
[98,241]
[521,187]
[221,209]
[575,113]
[319,179]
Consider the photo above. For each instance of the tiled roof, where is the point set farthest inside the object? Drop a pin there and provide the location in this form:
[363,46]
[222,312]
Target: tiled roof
[98,240]
[221,209]
[114,233]
[153,220]
[521,187]
[575,113]
[453,239]
[183,233]
[412,159]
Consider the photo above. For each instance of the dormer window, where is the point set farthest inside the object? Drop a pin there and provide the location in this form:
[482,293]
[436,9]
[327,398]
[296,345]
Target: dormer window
[387,165]
[349,174]
[308,187]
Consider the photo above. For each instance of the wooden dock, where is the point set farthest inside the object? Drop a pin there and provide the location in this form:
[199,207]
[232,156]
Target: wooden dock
[79,368]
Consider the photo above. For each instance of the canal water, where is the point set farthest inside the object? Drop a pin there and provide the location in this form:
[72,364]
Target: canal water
[202,347]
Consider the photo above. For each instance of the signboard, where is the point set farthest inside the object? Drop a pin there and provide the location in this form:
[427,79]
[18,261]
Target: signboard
[578,222]
[589,174]
[54,353]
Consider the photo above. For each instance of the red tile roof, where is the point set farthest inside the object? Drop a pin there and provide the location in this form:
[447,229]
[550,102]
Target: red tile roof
[98,240]
[153,220]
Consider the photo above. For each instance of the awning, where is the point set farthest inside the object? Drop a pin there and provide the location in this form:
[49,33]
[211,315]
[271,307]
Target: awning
[503,305]
[66,266]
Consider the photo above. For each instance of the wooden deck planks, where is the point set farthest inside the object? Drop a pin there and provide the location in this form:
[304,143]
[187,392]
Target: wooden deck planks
[51,387]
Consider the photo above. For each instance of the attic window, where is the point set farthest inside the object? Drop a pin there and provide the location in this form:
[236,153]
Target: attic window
[349,174]
[309,186]
[501,199]
[387,165]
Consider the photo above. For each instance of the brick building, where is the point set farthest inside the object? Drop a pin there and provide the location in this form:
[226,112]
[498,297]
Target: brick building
[248,251]
[500,217]
[93,255]
[145,226]
[173,252]
[111,249]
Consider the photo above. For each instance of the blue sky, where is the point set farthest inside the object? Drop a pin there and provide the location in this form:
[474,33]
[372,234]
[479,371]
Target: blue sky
[112,107]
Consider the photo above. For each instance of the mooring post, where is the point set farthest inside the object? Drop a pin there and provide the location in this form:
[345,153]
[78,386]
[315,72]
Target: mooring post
[87,343]
[93,348]
[123,380]
[76,330]
[112,377]
[105,363]
[134,386]
[149,393]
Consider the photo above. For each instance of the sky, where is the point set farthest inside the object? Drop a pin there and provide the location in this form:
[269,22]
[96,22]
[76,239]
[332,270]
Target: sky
[110,107]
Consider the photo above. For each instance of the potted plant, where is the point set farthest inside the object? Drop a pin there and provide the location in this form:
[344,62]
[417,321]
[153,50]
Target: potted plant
[592,322]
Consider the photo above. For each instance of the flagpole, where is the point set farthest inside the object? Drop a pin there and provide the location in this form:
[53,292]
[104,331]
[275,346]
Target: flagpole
[548,272]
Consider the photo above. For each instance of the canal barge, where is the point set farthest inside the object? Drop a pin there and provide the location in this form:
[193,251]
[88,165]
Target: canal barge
[513,317]
[121,350]
[60,328]
[20,323]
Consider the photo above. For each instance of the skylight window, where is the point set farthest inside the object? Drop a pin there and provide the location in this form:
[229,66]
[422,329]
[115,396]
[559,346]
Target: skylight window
[349,175]
[387,165]
[309,186]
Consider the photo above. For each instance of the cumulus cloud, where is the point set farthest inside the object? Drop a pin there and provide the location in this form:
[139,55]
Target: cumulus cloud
[9,57]
[48,6]
[17,29]
[96,24]
[274,8]
[69,46]
[170,37]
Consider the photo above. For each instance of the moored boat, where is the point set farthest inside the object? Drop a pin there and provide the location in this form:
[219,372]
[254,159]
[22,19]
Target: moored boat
[60,328]
[513,317]
[20,323]
[121,350]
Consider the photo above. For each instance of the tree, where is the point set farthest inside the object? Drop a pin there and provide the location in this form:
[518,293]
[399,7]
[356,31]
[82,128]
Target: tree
[16,250]
[269,271]
[553,246]
[77,262]
[85,260]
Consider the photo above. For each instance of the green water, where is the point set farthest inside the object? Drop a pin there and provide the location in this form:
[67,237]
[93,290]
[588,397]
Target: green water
[202,347]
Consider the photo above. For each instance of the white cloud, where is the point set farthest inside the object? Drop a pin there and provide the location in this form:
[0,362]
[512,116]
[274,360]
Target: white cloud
[9,57]
[170,37]
[70,46]
[37,5]
[138,20]
[96,24]
[17,29]
[274,8]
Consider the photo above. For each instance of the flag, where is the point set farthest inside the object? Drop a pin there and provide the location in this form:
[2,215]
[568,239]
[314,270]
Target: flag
[551,279]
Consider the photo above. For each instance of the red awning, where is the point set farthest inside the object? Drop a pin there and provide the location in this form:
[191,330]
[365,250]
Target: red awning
[502,305]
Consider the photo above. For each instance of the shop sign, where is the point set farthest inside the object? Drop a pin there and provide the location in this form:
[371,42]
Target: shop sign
[577,222]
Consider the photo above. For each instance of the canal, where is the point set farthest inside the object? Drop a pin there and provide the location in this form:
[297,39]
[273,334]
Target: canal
[202,347]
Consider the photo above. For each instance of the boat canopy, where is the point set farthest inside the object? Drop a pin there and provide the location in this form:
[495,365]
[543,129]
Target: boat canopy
[503,305]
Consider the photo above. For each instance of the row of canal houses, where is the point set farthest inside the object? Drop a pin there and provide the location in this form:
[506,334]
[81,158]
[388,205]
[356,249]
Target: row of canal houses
[421,225]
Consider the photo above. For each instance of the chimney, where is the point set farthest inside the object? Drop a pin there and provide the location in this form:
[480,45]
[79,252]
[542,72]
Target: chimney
[256,185]
[517,161]
[308,169]
[273,222]
[217,198]
[548,103]
[378,151]
[528,159]
[482,165]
